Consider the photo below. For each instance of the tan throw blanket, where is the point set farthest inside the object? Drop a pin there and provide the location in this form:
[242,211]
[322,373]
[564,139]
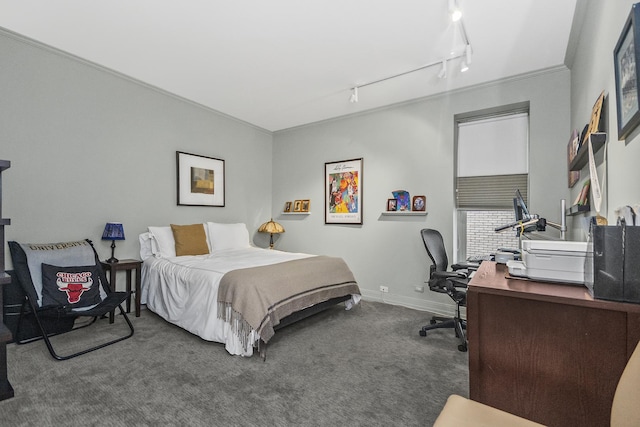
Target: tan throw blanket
[258,298]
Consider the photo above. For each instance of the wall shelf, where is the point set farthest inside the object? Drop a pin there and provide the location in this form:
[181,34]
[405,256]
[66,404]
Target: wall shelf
[404,213]
[577,209]
[295,213]
[581,159]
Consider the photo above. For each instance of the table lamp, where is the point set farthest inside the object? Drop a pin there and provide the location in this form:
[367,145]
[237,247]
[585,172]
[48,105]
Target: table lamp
[272,228]
[113,231]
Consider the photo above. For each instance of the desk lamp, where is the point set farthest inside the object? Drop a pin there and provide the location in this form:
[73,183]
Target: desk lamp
[272,228]
[113,231]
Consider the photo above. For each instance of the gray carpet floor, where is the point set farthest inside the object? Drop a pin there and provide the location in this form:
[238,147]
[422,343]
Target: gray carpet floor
[364,367]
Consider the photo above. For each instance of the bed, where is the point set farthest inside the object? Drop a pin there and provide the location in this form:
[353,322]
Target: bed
[237,294]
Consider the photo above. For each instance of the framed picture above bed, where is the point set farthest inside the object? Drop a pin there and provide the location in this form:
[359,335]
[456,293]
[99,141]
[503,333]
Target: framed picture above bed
[343,192]
[200,180]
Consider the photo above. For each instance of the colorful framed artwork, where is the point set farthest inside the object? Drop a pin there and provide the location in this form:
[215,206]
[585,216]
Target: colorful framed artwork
[625,59]
[297,206]
[287,207]
[419,203]
[200,180]
[305,205]
[392,204]
[343,192]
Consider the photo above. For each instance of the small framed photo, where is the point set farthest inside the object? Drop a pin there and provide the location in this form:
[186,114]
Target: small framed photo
[200,180]
[297,206]
[305,205]
[625,56]
[392,204]
[287,207]
[419,203]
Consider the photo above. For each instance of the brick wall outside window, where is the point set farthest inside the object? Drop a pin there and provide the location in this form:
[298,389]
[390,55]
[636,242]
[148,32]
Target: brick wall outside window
[481,236]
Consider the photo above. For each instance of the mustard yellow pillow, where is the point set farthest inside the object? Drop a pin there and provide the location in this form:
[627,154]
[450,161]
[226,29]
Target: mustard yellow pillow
[190,239]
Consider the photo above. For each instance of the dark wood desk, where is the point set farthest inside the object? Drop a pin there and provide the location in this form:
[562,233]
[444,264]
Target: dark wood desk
[126,265]
[546,352]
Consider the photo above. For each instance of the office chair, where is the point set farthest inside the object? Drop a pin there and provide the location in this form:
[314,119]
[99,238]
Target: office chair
[452,283]
[625,411]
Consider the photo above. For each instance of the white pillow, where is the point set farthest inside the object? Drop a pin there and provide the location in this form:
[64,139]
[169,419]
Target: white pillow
[145,246]
[228,236]
[162,243]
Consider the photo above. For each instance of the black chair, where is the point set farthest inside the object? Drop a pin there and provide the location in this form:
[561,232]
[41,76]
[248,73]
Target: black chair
[451,282]
[50,319]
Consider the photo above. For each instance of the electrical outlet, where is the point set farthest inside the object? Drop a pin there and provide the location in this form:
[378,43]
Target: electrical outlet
[419,289]
[384,289]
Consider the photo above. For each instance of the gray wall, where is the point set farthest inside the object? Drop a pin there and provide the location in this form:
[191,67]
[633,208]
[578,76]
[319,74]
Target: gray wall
[591,73]
[410,146]
[88,146]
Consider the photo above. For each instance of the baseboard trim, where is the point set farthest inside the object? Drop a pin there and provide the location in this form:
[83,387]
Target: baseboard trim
[434,307]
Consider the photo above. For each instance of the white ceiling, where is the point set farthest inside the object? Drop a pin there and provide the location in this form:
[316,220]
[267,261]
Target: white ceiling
[282,63]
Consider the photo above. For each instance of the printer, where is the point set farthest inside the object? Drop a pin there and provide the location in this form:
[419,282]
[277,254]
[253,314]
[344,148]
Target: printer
[551,261]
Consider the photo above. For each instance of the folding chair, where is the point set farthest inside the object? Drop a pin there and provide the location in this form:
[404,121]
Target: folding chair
[64,281]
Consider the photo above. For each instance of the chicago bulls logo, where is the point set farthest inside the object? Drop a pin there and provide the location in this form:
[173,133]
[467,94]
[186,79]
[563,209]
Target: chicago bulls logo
[74,284]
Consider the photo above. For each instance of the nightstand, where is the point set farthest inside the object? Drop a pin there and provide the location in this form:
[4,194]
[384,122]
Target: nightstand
[126,265]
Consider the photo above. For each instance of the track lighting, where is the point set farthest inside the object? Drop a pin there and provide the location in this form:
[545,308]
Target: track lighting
[455,11]
[354,95]
[464,66]
[443,71]
[454,55]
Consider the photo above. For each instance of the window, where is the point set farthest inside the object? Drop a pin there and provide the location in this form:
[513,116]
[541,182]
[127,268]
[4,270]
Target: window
[492,162]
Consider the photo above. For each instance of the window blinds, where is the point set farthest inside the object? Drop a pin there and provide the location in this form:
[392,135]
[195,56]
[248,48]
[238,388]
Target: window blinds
[492,161]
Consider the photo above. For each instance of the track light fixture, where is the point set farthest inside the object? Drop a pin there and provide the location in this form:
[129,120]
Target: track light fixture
[464,66]
[454,10]
[463,56]
[443,71]
[354,95]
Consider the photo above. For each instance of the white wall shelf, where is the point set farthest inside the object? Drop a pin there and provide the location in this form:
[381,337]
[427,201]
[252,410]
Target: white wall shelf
[404,213]
[295,213]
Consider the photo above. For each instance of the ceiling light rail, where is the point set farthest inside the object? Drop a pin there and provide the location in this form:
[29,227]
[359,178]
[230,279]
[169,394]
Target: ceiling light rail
[456,17]
[442,74]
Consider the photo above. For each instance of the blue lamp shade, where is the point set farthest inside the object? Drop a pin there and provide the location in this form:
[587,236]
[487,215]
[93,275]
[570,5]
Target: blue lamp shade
[113,231]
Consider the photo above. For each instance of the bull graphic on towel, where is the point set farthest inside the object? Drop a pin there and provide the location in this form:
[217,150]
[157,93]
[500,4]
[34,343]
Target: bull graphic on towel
[74,284]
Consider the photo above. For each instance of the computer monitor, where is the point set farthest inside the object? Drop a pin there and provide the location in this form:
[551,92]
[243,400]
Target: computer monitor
[520,208]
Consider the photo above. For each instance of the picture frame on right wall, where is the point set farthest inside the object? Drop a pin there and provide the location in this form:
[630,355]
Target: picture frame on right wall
[625,58]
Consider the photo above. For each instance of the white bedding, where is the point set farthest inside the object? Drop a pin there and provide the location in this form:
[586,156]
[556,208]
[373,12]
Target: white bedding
[183,290]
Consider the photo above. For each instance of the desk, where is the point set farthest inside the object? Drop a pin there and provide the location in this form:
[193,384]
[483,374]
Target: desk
[546,352]
[126,265]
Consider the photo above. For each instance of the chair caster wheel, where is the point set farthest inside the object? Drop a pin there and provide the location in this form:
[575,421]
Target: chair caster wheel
[462,347]
[423,333]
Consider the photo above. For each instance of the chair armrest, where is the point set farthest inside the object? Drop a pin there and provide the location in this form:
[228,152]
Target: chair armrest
[465,266]
[448,275]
